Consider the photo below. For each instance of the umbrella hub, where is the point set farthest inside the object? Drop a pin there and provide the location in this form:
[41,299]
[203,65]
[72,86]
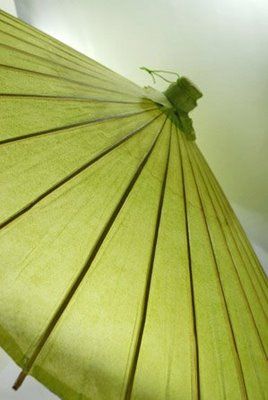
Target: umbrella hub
[177,100]
[183,94]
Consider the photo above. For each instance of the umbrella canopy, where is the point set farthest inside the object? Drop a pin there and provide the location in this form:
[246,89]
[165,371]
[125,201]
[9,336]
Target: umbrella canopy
[124,272]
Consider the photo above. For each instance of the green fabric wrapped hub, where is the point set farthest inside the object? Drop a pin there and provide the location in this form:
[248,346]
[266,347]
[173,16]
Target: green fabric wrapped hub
[183,94]
[178,100]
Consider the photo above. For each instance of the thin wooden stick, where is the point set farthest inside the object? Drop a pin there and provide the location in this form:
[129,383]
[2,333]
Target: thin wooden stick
[19,381]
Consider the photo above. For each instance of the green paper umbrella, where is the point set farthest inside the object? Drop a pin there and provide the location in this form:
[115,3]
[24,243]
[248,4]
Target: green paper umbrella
[124,272]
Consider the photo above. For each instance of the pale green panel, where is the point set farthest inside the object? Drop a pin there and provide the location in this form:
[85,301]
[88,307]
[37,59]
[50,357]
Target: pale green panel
[220,376]
[26,31]
[27,61]
[102,320]
[31,166]
[26,115]
[247,317]
[256,268]
[42,44]
[44,250]
[249,251]
[166,368]
[250,286]
[11,36]
[233,220]
[21,82]
[251,278]
[251,283]
[232,225]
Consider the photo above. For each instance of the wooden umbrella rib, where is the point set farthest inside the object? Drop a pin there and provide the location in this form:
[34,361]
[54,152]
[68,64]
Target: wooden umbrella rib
[73,81]
[221,291]
[192,291]
[75,173]
[71,126]
[148,281]
[84,270]
[86,74]
[117,77]
[74,98]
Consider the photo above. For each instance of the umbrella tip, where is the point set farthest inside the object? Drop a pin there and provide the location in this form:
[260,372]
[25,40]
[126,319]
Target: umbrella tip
[19,380]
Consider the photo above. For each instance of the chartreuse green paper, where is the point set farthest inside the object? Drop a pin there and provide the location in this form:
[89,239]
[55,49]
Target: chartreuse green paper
[124,273]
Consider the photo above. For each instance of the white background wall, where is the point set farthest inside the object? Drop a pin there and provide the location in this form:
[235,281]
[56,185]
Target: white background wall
[222,46]
[8,6]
